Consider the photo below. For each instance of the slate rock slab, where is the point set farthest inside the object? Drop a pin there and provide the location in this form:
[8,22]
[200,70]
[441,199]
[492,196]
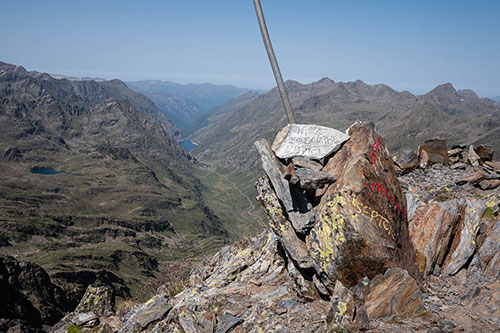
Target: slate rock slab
[406,159]
[394,294]
[473,157]
[430,231]
[485,152]
[312,180]
[226,323]
[151,311]
[310,141]
[302,162]
[276,173]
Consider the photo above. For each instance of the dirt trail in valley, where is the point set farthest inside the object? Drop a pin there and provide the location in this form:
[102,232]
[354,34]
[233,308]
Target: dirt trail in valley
[251,203]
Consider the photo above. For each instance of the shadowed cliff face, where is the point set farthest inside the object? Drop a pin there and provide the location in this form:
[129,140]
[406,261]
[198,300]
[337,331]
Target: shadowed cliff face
[349,249]
[29,299]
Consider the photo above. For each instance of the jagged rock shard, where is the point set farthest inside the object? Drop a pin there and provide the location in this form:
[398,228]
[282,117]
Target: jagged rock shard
[489,184]
[310,141]
[226,323]
[473,178]
[394,294]
[361,227]
[406,159]
[276,173]
[294,247]
[151,311]
[487,261]
[473,157]
[435,149]
[464,243]
[342,307]
[303,162]
[485,152]
[312,179]
[430,232]
[493,166]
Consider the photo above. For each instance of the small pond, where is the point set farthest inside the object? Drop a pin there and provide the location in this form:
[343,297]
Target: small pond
[187,144]
[45,171]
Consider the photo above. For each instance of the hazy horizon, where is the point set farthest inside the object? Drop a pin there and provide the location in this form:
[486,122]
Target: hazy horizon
[257,89]
[408,46]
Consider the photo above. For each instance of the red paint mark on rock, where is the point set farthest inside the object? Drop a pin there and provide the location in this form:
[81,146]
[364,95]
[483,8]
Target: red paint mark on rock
[382,189]
[376,147]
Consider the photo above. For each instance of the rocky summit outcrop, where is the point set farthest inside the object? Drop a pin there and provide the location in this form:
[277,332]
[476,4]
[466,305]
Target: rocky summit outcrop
[357,249]
[98,301]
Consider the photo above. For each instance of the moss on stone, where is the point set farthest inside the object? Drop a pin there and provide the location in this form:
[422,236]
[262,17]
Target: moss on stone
[74,328]
[488,214]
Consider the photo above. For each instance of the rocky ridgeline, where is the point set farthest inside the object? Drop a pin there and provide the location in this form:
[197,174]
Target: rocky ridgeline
[351,246]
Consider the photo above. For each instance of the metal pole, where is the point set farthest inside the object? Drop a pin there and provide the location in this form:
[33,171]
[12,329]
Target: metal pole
[274,62]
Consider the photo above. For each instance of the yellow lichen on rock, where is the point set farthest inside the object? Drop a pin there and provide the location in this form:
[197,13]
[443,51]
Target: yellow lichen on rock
[342,307]
[331,228]
[283,229]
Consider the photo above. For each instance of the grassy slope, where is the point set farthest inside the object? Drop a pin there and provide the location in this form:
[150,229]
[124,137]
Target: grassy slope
[231,195]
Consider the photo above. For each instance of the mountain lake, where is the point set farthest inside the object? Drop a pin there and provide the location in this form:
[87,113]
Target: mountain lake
[187,144]
[45,171]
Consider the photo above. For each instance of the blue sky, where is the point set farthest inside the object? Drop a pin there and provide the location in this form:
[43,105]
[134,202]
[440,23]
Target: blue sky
[409,45]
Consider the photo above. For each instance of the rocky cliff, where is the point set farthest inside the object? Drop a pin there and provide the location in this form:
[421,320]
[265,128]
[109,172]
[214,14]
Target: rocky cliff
[359,240]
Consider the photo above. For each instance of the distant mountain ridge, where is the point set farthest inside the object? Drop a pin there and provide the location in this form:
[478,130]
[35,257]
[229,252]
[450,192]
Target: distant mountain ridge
[93,91]
[459,102]
[73,78]
[185,104]
[404,119]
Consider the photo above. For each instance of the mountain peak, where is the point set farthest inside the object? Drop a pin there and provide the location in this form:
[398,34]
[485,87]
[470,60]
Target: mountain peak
[468,93]
[292,83]
[326,80]
[9,68]
[445,88]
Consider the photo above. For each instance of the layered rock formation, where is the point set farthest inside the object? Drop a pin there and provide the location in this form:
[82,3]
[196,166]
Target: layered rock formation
[360,250]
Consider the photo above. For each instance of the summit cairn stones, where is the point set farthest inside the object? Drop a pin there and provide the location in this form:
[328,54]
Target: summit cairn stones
[339,215]
[347,219]
[312,141]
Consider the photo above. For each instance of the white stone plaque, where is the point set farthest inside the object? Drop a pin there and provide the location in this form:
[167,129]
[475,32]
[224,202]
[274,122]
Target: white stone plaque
[310,141]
